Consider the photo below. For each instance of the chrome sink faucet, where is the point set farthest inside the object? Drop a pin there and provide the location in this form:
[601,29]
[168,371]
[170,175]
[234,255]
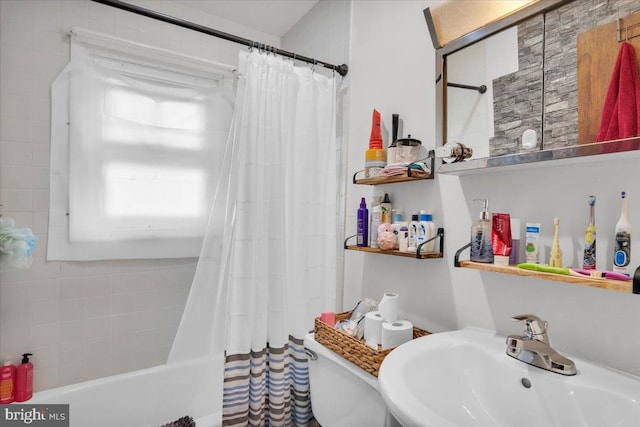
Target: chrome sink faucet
[533,347]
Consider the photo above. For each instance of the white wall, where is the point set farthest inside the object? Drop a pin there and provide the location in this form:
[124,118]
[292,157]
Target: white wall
[82,320]
[392,69]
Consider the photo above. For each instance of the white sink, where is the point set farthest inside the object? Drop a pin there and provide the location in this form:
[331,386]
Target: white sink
[464,378]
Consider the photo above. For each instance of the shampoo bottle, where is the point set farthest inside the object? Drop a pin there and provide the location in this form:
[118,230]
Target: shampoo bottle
[376,220]
[622,244]
[386,209]
[363,224]
[414,227]
[397,223]
[481,248]
[589,258]
[426,231]
[24,379]
[7,382]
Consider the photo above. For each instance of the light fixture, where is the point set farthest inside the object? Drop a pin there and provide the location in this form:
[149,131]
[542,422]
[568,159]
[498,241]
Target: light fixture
[450,20]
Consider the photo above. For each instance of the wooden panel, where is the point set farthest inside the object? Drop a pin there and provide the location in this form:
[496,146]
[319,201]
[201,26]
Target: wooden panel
[377,180]
[423,255]
[615,285]
[597,53]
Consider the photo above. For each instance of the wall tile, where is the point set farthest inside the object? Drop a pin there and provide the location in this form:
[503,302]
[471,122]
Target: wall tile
[71,373]
[17,177]
[44,290]
[40,155]
[73,331]
[72,287]
[99,327]
[44,312]
[73,309]
[15,130]
[12,153]
[17,200]
[47,334]
[15,105]
[98,306]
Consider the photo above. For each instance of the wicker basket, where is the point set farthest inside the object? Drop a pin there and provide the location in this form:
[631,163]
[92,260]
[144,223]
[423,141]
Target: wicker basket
[353,349]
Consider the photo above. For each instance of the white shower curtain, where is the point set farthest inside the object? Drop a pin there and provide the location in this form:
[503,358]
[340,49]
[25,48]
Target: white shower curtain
[268,263]
[280,237]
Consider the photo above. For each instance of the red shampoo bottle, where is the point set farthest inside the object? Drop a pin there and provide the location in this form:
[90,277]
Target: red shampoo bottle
[7,382]
[24,379]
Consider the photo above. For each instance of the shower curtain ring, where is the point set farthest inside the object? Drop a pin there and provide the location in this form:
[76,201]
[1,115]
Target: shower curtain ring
[251,47]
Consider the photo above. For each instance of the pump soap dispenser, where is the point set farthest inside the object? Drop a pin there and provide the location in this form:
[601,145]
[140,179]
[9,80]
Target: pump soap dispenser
[24,379]
[481,248]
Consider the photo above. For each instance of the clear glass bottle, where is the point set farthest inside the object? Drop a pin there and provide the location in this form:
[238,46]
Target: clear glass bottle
[481,249]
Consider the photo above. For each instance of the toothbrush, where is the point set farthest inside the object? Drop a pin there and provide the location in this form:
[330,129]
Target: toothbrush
[596,274]
[555,260]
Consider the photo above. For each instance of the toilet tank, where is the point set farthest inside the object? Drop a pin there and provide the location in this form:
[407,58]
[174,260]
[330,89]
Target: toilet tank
[343,394]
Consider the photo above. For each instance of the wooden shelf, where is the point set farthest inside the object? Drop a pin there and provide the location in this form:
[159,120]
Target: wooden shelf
[615,285]
[378,180]
[423,255]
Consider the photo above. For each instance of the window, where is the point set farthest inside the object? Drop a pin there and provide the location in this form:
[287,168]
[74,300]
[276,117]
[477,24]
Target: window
[134,159]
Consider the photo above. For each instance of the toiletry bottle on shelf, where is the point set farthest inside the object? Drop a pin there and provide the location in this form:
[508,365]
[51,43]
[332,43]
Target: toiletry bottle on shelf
[7,382]
[363,224]
[376,220]
[589,258]
[622,244]
[386,208]
[514,256]
[426,230]
[376,156]
[24,379]
[431,232]
[421,236]
[532,235]
[481,248]
[414,227]
[397,223]
[403,238]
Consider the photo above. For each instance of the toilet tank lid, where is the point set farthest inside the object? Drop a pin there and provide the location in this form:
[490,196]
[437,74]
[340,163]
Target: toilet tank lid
[322,351]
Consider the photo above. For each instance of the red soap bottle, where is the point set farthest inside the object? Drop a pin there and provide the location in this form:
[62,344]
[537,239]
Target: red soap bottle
[24,379]
[7,382]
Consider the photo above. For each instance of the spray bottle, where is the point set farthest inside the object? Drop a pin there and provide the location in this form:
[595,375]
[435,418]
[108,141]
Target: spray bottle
[589,259]
[622,244]
[363,224]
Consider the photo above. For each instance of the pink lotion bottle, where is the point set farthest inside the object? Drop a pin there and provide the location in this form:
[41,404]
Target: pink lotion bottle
[7,382]
[24,379]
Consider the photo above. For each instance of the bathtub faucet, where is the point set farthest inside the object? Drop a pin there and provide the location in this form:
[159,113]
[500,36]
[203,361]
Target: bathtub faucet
[533,347]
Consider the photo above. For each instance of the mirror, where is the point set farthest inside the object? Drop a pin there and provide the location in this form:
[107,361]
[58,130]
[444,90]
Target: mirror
[546,71]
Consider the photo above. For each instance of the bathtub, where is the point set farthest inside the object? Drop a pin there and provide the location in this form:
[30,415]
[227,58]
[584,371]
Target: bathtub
[146,398]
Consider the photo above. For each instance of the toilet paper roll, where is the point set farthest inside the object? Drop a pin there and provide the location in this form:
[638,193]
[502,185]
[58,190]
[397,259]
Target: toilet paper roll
[396,333]
[373,329]
[388,307]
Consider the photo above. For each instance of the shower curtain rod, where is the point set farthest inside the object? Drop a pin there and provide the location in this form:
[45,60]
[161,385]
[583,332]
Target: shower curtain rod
[340,69]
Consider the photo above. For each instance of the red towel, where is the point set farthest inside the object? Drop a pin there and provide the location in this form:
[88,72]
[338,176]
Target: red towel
[621,112]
